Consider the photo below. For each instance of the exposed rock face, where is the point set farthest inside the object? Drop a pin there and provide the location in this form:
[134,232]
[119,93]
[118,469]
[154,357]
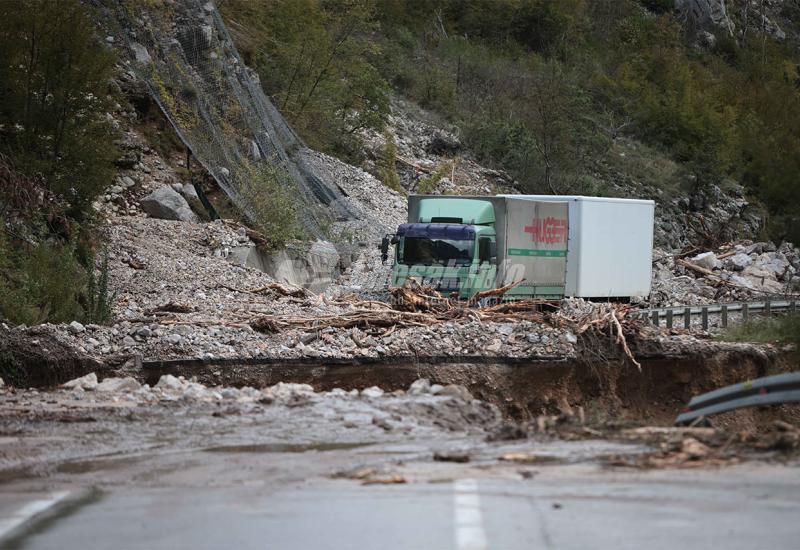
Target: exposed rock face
[706,13]
[711,15]
[165,203]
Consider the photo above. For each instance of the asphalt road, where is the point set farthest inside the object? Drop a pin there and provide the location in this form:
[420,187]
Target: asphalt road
[749,506]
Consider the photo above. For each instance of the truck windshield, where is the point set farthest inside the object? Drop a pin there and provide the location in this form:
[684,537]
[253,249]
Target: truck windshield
[427,251]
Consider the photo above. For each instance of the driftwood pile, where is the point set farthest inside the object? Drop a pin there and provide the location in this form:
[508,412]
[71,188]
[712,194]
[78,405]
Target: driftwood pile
[605,320]
[411,306]
[414,305]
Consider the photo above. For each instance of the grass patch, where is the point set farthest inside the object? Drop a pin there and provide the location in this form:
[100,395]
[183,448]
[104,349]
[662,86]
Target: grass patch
[775,330]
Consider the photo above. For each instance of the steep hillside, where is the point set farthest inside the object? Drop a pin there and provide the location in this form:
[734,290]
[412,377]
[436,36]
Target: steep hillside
[692,103]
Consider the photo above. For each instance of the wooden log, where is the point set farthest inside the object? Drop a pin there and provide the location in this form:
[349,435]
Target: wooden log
[412,164]
[493,292]
[695,267]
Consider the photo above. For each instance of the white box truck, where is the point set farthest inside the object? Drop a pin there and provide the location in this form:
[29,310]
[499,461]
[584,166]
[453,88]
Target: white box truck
[589,247]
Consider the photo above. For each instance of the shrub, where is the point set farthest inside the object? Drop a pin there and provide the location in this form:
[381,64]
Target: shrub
[428,183]
[39,283]
[387,161]
[98,301]
[266,188]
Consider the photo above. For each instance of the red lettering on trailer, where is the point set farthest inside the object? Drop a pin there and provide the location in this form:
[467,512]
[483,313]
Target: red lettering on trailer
[548,230]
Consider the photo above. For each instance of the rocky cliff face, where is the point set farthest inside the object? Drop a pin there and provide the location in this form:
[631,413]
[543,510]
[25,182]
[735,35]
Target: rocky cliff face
[738,18]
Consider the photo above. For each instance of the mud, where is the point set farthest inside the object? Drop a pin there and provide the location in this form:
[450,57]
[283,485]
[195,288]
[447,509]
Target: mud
[40,360]
[526,389]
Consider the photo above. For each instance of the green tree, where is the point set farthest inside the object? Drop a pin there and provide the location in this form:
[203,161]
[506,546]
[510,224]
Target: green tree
[316,60]
[54,98]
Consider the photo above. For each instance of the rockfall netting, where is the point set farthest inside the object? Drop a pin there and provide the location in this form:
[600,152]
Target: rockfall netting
[183,52]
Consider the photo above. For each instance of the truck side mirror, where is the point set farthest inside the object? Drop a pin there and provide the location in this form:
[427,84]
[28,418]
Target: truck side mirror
[384,249]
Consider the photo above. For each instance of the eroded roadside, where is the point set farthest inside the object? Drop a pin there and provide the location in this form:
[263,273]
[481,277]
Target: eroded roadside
[119,433]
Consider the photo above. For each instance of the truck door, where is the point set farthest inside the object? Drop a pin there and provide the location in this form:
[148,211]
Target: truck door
[483,274]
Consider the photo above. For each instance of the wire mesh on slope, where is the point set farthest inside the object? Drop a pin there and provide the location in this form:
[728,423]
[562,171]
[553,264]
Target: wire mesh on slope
[183,52]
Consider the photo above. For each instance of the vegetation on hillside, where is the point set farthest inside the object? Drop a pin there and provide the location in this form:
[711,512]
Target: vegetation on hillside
[542,88]
[318,62]
[776,330]
[56,157]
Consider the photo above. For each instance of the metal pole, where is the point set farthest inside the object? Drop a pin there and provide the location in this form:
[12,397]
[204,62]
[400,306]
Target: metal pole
[669,318]
[687,318]
[745,313]
[704,313]
[724,312]
[654,317]
[767,308]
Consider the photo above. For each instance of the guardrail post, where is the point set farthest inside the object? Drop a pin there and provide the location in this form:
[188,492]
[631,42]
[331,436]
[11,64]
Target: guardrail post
[792,306]
[669,318]
[704,313]
[767,308]
[724,315]
[654,317]
[745,312]
[687,318]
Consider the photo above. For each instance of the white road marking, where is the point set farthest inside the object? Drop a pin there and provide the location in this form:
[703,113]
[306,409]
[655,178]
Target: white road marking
[29,511]
[468,521]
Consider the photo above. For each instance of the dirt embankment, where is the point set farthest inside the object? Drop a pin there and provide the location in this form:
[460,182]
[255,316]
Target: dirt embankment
[606,389]
[40,360]
[524,389]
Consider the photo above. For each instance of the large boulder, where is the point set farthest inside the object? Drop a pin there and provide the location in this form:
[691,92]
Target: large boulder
[190,194]
[167,204]
[707,260]
[738,262]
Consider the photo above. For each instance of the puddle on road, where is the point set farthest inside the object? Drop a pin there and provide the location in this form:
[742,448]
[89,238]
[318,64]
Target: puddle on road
[285,447]
[94,465]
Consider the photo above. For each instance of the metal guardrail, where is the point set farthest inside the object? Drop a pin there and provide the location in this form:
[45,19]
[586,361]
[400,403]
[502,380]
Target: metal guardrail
[770,390]
[669,314]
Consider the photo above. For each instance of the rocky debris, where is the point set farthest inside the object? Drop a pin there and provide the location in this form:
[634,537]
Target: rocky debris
[167,204]
[88,382]
[425,148]
[704,447]
[76,328]
[372,392]
[381,209]
[170,388]
[735,272]
[118,385]
[420,387]
[69,424]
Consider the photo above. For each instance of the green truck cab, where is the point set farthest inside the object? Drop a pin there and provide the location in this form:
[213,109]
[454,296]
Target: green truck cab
[452,246]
